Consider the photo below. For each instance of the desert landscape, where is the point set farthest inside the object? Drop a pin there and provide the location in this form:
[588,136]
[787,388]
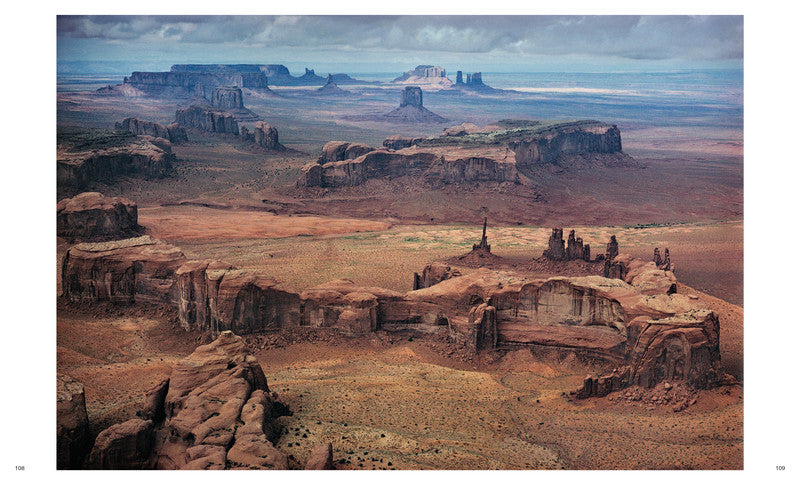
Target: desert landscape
[433,269]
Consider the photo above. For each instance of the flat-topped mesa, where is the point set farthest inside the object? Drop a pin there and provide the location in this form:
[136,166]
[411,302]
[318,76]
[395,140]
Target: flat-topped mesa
[174,132]
[200,83]
[425,75]
[347,164]
[93,216]
[207,118]
[86,156]
[571,145]
[139,269]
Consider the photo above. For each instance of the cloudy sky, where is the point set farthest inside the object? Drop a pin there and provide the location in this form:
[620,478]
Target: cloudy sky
[397,43]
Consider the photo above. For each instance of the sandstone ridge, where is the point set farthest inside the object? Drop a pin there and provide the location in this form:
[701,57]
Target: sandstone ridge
[214,412]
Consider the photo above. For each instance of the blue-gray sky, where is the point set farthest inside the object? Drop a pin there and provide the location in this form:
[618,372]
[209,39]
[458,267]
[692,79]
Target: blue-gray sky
[397,43]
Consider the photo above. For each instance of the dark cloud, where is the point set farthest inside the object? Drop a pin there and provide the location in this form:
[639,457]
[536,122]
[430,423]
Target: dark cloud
[630,37]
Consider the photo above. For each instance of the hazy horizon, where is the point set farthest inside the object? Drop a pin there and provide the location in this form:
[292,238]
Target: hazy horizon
[395,44]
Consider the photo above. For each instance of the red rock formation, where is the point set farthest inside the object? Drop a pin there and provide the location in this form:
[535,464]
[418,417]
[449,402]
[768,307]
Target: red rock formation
[79,166]
[129,270]
[321,457]
[217,413]
[434,273]
[335,151]
[207,118]
[555,245]
[397,142]
[72,432]
[124,446]
[174,132]
[378,163]
[567,144]
[91,216]
[266,136]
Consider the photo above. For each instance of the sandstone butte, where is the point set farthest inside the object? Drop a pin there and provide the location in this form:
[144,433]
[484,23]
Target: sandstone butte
[91,215]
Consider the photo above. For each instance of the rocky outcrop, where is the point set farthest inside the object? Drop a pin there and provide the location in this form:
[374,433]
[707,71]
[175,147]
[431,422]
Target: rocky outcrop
[343,305]
[397,142]
[124,446]
[220,411]
[472,169]
[610,319]
[571,145]
[331,88]
[664,263]
[321,457]
[128,270]
[575,249]
[174,132]
[426,75]
[682,348]
[474,82]
[645,275]
[72,433]
[266,136]
[411,109]
[207,118]
[214,297]
[378,163]
[347,164]
[96,157]
[335,151]
[196,80]
[93,216]
[214,412]
[433,274]
[227,98]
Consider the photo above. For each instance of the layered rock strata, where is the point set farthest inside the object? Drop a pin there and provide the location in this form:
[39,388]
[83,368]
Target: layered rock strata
[174,132]
[227,98]
[72,433]
[571,145]
[78,166]
[335,169]
[91,215]
[130,270]
[637,321]
[207,118]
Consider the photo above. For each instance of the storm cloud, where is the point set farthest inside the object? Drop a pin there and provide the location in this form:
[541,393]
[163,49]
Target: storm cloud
[631,37]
